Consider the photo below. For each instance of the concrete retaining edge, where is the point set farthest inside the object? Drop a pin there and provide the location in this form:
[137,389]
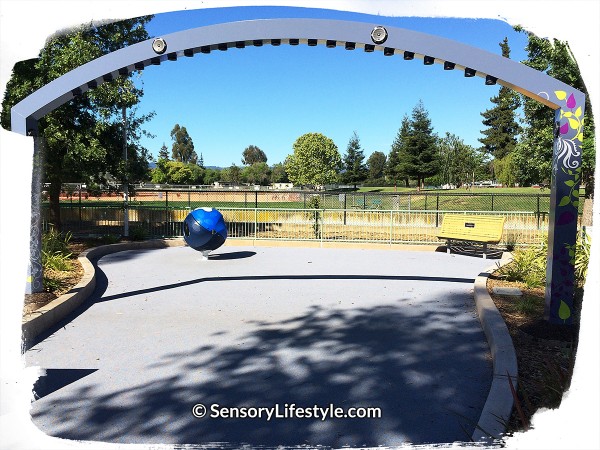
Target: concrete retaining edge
[499,404]
[49,315]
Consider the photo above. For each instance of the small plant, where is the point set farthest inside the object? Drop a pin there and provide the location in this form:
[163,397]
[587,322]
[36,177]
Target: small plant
[528,304]
[582,256]
[54,241]
[107,239]
[53,284]
[528,266]
[512,239]
[56,261]
[138,233]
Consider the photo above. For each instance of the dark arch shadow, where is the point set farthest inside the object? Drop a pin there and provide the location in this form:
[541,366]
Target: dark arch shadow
[231,255]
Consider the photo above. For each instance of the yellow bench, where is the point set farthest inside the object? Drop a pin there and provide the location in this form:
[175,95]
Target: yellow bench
[476,229]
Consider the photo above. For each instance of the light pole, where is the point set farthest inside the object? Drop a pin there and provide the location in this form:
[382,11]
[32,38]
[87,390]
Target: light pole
[126,181]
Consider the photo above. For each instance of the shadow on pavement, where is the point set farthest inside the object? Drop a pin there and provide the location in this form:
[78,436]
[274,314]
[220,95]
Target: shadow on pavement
[422,369]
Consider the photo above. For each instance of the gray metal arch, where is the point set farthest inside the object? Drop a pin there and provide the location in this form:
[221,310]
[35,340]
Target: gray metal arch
[402,42]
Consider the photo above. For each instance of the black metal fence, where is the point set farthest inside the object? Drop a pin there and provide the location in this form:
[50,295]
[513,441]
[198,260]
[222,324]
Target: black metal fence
[388,201]
[159,212]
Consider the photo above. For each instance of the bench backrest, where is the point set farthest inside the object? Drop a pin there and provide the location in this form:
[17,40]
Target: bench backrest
[479,228]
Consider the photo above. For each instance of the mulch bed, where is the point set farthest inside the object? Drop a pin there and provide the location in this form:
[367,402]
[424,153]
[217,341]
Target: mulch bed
[545,352]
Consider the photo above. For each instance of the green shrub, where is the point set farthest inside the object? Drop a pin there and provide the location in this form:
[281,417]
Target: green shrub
[582,256]
[53,241]
[528,266]
[52,284]
[56,261]
[107,239]
[138,233]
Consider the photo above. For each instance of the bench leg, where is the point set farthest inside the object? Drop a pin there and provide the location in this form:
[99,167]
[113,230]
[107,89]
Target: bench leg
[448,247]
[485,250]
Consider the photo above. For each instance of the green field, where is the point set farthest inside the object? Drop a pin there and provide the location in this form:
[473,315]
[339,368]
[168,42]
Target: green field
[515,190]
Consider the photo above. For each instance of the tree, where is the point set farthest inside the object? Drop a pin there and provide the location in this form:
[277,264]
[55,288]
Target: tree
[257,173]
[278,174]
[252,155]
[82,139]
[183,146]
[505,170]
[211,175]
[397,164]
[163,153]
[421,147]
[355,169]
[315,161]
[376,165]
[458,161]
[233,174]
[533,156]
[502,127]
[176,172]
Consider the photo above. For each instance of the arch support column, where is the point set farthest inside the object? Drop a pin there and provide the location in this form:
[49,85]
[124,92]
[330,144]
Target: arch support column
[35,275]
[564,207]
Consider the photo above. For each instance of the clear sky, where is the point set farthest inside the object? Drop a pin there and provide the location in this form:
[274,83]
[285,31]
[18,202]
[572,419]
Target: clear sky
[269,96]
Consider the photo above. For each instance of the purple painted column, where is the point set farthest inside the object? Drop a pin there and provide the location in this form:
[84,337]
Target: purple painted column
[564,205]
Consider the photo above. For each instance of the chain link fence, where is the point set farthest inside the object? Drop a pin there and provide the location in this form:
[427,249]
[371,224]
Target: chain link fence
[392,217]
[234,198]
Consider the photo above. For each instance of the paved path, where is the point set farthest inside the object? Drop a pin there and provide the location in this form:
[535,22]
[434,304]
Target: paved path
[259,326]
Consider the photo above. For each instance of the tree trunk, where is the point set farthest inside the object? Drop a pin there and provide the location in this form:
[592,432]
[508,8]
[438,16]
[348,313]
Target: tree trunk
[54,197]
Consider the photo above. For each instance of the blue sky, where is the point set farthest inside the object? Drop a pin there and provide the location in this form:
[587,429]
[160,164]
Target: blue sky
[269,96]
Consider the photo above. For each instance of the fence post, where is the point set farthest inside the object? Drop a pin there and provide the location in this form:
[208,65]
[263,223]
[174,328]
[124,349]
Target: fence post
[391,227]
[437,211]
[189,200]
[364,201]
[255,199]
[492,202]
[345,206]
[538,211]
[166,213]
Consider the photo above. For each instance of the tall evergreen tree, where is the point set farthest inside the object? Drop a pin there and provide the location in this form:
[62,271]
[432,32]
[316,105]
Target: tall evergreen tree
[422,157]
[163,153]
[183,146]
[355,168]
[502,127]
[533,157]
[396,167]
[376,165]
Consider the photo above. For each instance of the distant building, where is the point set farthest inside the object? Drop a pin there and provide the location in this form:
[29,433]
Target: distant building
[283,186]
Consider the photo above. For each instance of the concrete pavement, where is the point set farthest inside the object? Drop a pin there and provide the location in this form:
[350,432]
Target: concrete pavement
[259,326]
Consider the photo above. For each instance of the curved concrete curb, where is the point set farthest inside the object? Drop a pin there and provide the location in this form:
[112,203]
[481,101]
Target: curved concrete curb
[43,318]
[498,406]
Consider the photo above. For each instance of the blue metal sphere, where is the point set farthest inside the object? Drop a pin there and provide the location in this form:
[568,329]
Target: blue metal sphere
[204,229]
